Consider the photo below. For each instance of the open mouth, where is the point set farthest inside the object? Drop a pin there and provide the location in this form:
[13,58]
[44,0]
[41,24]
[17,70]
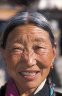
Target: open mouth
[29,75]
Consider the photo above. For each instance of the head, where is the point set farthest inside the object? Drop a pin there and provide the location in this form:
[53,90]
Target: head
[28,49]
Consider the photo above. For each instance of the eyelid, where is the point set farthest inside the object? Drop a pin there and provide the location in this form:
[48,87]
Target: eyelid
[16,48]
[37,47]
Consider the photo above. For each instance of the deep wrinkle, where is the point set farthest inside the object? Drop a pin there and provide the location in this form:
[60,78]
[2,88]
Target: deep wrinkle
[36,57]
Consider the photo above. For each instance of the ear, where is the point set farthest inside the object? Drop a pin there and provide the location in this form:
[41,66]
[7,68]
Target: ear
[54,55]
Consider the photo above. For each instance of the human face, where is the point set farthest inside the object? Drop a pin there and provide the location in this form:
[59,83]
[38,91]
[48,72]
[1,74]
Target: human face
[28,55]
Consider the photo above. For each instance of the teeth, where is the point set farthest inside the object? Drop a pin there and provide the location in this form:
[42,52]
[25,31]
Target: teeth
[29,73]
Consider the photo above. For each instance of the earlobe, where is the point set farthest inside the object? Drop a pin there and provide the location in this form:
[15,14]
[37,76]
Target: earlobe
[52,66]
[52,63]
[53,58]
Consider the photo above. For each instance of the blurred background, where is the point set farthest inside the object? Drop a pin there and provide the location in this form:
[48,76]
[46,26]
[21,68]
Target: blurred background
[52,9]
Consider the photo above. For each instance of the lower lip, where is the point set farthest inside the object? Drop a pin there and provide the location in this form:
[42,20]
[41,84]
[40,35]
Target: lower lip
[30,78]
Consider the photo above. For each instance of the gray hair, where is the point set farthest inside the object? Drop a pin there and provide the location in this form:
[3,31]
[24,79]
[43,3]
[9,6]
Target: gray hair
[27,17]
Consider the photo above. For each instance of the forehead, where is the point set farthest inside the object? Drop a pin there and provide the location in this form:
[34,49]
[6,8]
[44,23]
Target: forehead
[28,31]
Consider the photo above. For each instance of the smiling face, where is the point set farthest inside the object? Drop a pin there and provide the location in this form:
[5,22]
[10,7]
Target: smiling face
[28,55]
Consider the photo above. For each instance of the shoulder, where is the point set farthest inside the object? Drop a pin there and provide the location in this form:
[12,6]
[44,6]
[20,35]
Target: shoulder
[2,90]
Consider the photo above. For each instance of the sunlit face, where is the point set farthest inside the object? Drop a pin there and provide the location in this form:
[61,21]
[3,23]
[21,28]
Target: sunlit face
[28,55]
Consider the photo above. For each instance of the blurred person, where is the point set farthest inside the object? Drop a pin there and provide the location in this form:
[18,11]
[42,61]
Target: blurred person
[28,48]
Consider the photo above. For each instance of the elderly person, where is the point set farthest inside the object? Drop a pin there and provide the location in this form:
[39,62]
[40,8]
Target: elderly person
[28,49]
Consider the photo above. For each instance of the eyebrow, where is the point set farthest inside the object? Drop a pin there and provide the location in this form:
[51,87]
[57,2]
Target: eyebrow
[39,39]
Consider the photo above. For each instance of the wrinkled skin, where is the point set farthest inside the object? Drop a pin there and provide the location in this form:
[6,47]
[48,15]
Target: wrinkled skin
[28,49]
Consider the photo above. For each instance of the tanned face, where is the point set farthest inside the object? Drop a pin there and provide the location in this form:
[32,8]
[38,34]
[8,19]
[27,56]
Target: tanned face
[28,56]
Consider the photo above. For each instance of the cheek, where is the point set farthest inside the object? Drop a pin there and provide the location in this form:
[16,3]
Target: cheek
[45,58]
[11,62]
[12,59]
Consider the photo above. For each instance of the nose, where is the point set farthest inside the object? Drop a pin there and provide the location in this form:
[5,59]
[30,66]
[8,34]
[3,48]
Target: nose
[29,58]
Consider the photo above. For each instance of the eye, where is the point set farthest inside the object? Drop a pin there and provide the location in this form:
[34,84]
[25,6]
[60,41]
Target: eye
[38,47]
[16,50]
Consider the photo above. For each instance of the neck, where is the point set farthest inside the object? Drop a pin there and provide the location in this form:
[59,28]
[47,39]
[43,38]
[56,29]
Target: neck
[26,93]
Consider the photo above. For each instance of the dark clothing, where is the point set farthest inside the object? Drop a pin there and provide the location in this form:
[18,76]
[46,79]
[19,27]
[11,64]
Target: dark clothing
[43,92]
[58,94]
[2,90]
